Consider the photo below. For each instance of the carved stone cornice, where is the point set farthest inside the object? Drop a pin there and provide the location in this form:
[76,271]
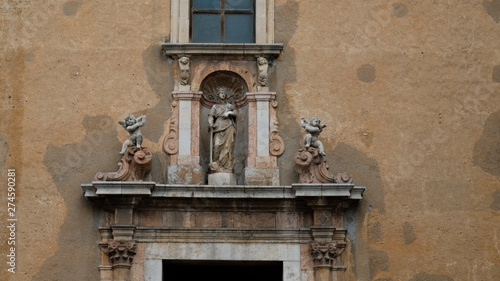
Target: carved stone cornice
[324,253]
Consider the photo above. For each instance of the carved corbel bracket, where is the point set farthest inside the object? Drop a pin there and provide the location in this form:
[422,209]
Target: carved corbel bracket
[324,253]
[312,168]
[135,165]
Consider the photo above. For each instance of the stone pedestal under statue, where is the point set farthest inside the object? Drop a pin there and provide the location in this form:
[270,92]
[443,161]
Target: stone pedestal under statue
[222,179]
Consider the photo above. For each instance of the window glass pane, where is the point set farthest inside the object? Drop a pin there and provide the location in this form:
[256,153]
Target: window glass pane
[206,4]
[206,28]
[239,28]
[239,4]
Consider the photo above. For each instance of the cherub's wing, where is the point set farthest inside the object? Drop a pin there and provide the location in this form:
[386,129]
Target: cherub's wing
[124,125]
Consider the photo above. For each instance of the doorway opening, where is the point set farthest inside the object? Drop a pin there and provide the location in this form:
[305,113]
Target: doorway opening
[195,270]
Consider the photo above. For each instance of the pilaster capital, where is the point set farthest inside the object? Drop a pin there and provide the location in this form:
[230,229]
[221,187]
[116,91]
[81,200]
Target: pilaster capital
[261,96]
[324,252]
[186,95]
[120,253]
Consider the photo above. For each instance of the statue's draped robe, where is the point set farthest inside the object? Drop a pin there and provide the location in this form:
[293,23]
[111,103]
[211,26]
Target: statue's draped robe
[224,132]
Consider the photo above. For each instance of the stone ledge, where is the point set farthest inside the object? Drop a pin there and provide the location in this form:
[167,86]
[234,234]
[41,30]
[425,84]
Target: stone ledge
[151,189]
[103,188]
[215,49]
[323,190]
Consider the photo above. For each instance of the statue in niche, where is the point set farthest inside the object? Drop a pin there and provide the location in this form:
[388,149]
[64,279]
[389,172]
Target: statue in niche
[313,129]
[184,70]
[222,123]
[133,125]
[263,66]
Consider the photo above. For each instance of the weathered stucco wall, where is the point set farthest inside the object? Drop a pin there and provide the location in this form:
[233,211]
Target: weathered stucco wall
[409,91]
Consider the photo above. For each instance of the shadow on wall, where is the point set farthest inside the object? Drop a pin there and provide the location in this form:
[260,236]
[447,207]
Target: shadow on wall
[286,73]
[487,148]
[70,166]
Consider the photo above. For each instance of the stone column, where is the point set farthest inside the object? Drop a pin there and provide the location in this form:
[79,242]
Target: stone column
[264,144]
[183,141]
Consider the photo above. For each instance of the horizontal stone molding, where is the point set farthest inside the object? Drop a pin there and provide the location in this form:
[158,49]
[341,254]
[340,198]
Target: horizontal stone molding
[227,235]
[218,49]
[104,188]
[151,189]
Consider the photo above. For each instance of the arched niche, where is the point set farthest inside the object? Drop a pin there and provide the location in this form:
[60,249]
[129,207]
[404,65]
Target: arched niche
[237,90]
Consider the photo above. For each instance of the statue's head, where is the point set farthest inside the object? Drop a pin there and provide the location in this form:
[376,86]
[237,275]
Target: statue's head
[315,121]
[130,120]
[262,60]
[222,92]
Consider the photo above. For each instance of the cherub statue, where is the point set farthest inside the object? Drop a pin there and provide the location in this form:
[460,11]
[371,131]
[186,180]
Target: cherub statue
[133,125]
[313,129]
[184,70]
[262,65]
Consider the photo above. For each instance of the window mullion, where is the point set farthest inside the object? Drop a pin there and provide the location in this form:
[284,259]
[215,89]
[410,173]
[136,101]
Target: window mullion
[222,21]
[223,25]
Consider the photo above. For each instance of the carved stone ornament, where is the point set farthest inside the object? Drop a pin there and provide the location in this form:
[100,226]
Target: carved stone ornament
[309,160]
[234,84]
[184,70]
[313,129]
[133,126]
[276,144]
[135,165]
[323,253]
[263,66]
[171,141]
[312,168]
[120,252]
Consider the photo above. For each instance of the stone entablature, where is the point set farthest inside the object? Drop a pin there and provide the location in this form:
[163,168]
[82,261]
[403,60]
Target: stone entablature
[342,192]
[149,213]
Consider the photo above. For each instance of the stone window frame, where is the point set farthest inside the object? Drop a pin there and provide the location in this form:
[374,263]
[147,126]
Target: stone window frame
[181,23]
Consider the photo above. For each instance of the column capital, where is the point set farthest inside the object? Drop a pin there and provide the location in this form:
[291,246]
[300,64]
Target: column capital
[324,252]
[261,96]
[120,253]
[187,95]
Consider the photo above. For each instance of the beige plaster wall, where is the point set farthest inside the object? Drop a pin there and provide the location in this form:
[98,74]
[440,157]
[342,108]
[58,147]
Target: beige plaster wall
[409,91]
